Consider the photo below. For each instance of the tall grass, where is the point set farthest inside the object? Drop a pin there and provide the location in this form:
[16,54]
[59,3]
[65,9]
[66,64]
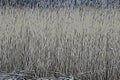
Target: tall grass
[84,43]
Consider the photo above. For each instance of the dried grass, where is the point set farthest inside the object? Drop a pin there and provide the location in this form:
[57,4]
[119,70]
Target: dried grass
[85,43]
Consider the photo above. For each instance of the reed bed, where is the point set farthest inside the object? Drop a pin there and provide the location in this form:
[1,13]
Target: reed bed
[84,43]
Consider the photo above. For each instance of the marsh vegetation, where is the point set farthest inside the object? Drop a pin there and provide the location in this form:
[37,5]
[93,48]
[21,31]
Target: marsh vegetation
[84,43]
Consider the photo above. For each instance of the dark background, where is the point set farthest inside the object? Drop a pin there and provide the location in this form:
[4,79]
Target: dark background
[59,3]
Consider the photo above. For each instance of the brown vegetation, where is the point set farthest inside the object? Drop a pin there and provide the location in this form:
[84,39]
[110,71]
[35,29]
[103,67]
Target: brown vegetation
[85,43]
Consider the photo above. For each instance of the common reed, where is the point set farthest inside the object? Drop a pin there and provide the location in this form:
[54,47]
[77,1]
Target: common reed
[84,43]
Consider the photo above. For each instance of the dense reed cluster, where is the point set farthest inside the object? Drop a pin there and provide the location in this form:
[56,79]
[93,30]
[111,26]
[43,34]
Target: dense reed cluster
[60,3]
[83,43]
